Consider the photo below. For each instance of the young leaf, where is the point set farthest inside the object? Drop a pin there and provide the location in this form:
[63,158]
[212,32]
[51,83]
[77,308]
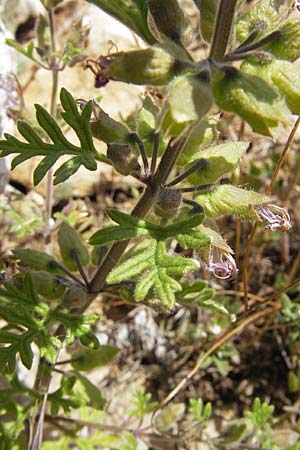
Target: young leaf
[142,404]
[130,227]
[261,413]
[85,154]
[155,270]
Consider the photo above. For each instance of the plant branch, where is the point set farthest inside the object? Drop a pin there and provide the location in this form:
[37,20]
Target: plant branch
[142,152]
[154,151]
[141,210]
[197,165]
[222,29]
[53,112]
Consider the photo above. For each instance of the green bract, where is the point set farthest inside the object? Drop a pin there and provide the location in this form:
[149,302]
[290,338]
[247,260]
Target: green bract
[202,134]
[250,97]
[283,76]
[190,98]
[47,284]
[109,130]
[85,359]
[167,19]
[36,260]
[219,160]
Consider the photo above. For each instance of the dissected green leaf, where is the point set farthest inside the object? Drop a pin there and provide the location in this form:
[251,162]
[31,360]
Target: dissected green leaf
[28,52]
[155,270]
[85,154]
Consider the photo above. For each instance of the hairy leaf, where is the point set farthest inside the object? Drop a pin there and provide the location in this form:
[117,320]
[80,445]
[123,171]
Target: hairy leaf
[154,269]
[130,227]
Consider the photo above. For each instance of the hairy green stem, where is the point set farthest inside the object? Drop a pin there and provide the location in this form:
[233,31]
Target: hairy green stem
[141,210]
[43,377]
[222,29]
[53,112]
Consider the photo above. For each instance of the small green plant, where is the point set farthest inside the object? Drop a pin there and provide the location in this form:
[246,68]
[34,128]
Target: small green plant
[175,151]
[142,404]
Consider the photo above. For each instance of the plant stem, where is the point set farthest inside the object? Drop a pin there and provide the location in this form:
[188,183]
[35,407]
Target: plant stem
[141,210]
[43,377]
[222,29]
[53,112]
[154,152]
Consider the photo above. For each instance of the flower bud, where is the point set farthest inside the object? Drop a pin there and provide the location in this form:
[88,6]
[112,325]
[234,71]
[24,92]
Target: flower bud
[250,97]
[152,66]
[247,205]
[106,129]
[123,159]
[47,284]
[71,247]
[204,132]
[286,45]
[166,18]
[74,297]
[220,160]
[36,260]
[168,202]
